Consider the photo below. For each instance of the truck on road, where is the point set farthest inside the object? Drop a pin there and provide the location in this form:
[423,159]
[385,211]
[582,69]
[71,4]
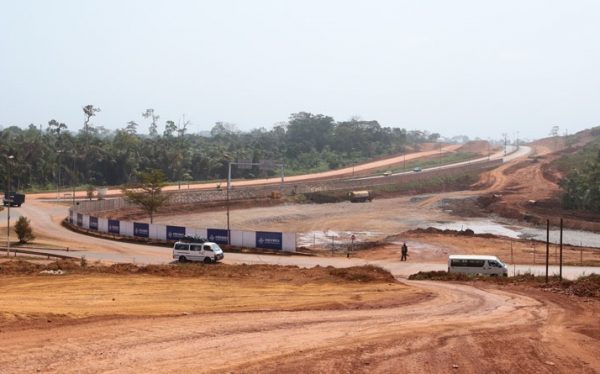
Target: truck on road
[360,196]
[13,199]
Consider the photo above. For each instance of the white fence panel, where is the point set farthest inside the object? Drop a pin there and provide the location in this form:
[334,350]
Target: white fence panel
[102,224]
[249,239]
[126,228]
[237,238]
[86,222]
[193,231]
[158,232]
[289,241]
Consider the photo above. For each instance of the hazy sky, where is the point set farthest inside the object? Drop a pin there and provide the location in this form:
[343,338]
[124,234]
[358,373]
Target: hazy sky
[477,67]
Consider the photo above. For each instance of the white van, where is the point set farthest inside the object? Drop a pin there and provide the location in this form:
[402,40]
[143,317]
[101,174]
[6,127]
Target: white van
[206,252]
[477,264]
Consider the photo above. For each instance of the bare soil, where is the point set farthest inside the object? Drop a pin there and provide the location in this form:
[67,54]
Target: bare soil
[286,319]
[96,321]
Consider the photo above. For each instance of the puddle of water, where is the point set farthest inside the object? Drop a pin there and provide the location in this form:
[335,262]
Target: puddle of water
[315,239]
[573,237]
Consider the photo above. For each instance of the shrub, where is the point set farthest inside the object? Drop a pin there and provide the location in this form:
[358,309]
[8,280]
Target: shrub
[24,230]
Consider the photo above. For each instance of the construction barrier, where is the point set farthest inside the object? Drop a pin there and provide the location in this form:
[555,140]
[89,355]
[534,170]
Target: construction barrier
[275,241]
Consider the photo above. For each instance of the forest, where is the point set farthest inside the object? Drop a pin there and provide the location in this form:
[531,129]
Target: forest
[581,185]
[42,157]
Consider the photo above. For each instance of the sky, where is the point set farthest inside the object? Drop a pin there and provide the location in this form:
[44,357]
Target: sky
[478,68]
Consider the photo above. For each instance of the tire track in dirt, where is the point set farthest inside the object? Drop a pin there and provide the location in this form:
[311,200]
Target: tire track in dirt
[249,341]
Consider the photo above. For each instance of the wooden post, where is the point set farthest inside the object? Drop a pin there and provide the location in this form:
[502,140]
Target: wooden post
[547,246]
[561,250]
[512,258]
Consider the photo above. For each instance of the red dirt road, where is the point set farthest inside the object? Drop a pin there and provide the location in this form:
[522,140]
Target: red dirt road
[461,327]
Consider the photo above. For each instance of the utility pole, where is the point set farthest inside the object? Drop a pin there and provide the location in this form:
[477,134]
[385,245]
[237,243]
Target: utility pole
[58,176]
[228,188]
[505,140]
[10,200]
[247,164]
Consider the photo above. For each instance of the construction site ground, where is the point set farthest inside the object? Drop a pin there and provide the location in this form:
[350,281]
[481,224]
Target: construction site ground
[242,318]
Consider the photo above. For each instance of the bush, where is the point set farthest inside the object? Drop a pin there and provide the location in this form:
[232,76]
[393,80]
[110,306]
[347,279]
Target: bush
[24,230]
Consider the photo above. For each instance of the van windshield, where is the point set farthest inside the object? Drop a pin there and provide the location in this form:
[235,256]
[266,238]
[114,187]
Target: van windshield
[496,263]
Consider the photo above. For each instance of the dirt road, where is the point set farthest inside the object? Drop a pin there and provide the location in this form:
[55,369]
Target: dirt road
[458,326]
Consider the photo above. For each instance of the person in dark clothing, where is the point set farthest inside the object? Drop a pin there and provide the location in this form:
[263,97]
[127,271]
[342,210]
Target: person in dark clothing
[404,252]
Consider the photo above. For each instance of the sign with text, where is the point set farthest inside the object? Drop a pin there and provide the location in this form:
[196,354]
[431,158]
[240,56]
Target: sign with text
[269,240]
[141,230]
[114,226]
[79,219]
[218,236]
[175,232]
[93,223]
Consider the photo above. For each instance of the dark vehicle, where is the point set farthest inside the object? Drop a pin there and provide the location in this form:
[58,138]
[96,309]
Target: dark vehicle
[13,199]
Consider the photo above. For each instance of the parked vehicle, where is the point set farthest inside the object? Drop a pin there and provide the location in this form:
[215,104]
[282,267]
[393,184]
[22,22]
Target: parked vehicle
[13,198]
[477,264]
[203,251]
[360,196]
[417,169]
[387,173]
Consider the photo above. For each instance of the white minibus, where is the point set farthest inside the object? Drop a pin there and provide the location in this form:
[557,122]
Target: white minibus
[477,264]
[206,252]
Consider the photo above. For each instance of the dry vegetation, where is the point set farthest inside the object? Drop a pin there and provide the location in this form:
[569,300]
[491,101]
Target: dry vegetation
[585,286]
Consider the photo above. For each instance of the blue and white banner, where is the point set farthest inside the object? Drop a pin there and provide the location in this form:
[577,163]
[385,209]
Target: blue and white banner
[141,230]
[114,226]
[79,219]
[94,223]
[269,240]
[175,232]
[218,236]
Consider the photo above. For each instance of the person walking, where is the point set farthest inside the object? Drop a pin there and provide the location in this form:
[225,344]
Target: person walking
[404,252]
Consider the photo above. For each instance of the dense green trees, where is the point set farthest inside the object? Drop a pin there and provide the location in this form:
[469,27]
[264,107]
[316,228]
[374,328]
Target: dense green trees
[308,142]
[581,188]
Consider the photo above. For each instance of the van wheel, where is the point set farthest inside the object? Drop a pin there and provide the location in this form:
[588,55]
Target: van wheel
[182,259]
[207,260]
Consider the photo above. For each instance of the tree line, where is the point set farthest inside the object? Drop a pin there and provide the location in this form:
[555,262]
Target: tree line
[581,187]
[40,156]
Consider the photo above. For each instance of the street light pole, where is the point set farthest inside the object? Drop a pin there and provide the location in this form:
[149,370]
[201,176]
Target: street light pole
[10,157]
[228,187]
[58,176]
[73,181]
